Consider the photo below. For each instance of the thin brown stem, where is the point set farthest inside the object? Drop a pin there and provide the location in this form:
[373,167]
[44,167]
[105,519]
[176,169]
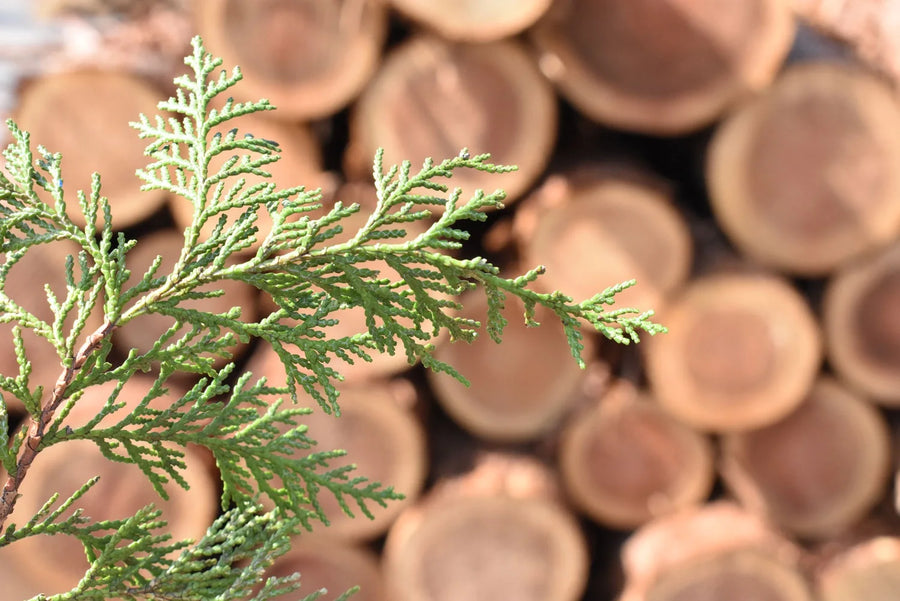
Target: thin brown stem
[38,428]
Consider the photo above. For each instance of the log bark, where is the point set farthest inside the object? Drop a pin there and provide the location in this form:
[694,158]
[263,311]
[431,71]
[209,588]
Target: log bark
[382,438]
[741,352]
[485,21]
[593,230]
[661,67]
[521,389]
[712,553]
[807,176]
[431,99]
[870,571]
[862,324]
[484,538]
[45,564]
[625,461]
[819,470]
[309,58]
[85,115]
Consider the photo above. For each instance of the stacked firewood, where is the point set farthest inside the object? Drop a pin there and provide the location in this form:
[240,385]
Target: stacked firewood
[744,168]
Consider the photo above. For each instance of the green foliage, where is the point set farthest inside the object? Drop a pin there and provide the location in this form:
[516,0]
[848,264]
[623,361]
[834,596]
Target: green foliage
[260,446]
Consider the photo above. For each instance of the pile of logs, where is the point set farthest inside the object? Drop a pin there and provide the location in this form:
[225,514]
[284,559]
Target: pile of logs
[744,168]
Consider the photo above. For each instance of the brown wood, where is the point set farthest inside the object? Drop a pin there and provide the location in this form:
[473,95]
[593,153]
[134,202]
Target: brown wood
[817,471]
[484,21]
[493,534]
[381,436]
[593,231]
[520,389]
[300,165]
[709,554]
[741,352]
[862,324]
[624,460]
[661,67]
[42,265]
[122,490]
[309,58]
[807,176]
[333,565]
[85,116]
[431,99]
[870,571]
[144,331]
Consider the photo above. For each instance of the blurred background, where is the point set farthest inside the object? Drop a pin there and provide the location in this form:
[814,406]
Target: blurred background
[741,160]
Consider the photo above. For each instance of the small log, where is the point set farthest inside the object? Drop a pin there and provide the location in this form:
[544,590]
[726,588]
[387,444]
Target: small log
[309,58]
[817,471]
[709,554]
[121,491]
[85,116]
[144,331]
[333,565]
[492,534]
[521,389]
[431,99]
[592,231]
[382,438]
[300,165]
[625,461]
[742,351]
[869,571]
[862,325]
[807,176]
[485,21]
[41,265]
[661,67]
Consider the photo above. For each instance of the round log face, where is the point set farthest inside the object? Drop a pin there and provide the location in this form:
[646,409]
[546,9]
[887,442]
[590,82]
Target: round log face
[483,549]
[474,20]
[309,58]
[817,471]
[431,99]
[662,67]
[85,115]
[741,352]
[862,324]
[870,571]
[807,176]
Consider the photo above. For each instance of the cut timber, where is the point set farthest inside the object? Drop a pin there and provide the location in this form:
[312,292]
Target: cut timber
[332,565]
[625,461]
[662,66]
[594,232]
[862,324]
[807,176]
[309,58]
[742,351]
[85,116]
[42,265]
[466,541]
[121,491]
[431,99]
[870,572]
[520,389]
[483,21]
[817,471]
[144,331]
[300,164]
[714,553]
[382,438]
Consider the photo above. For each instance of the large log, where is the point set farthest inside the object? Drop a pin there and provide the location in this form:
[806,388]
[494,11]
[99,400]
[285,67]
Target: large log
[431,99]
[742,351]
[309,58]
[661,67]
[869,571]
[817,471]
[807,176]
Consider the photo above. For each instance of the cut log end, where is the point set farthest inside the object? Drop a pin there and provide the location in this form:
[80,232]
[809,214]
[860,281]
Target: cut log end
[485,21]
[869,571]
